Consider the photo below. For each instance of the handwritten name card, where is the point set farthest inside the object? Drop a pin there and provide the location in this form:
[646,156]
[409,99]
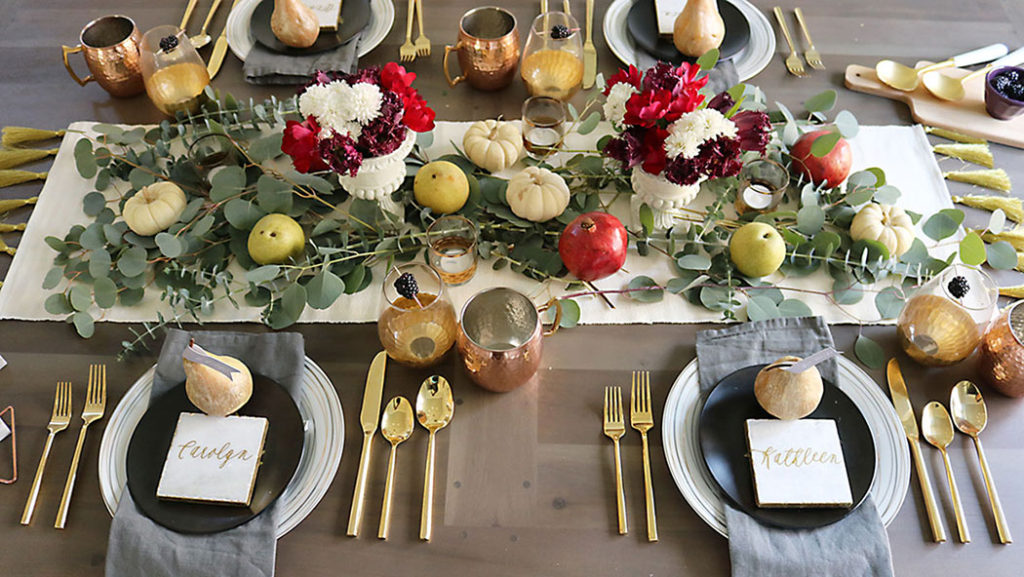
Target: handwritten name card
[798,463]
[213,459]
[327,11]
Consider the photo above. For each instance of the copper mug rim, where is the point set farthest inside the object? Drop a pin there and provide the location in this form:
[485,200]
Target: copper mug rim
[462,23]
[1009,317]
[538,324]
[96,21]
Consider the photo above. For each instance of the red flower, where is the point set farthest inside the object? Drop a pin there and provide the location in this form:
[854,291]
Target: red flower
[631,77]
[655,158]
[393,77]
[300,143]
[648,107]
[418,116]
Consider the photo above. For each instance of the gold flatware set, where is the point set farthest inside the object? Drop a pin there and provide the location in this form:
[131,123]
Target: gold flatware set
[794,64]
[409,50]
[200,40]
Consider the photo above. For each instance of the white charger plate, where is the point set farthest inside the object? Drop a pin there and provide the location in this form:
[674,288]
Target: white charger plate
[681,441]
[241,39]
[324,425]
[749,61]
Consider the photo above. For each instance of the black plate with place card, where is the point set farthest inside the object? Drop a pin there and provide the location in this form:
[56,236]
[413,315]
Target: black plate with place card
[723,442]
[642,22]
[355,15]
[151,441]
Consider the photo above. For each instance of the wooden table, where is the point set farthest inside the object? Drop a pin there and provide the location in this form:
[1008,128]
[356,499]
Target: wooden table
[524,479]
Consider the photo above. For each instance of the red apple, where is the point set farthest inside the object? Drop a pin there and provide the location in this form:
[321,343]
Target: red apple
[831,169]
[593,246]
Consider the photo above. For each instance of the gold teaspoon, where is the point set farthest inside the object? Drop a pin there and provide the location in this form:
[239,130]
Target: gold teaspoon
[396,425]
[434,409]
[938,430]
[907,79]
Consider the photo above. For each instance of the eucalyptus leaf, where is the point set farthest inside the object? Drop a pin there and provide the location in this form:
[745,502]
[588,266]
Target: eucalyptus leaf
[132,262]
[83,324]
[887,194]
[202,226]
[570,313]
[273,195]
[889,302]
[972,249]
[847,124]
[226,183]
[324,226]
[425,139]
[716,298]
[824,144]
[56,243]
[266,148]
[53,277]
[265,273]
[647,220]
[821,102]
[131,296]
[354,280]
[590,123]
[57,304]
[694,262]
[917,253]
[114,232]
[997,221]
[105,292]
[760,308]
[80,297]
[846,292]
[141,178]
[652,295]
[810,219]
[242,214]
[794,308]
[869,352]
[99,263]
[708,60]
[288,308]
[1001,255]
[93,203]
[170,246]
[943,224]
[85,159]
[93,237]
[861,179]
[324,289]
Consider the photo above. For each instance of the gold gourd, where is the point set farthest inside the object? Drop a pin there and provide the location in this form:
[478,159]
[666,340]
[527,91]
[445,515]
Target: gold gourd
[294,24]
[698,28]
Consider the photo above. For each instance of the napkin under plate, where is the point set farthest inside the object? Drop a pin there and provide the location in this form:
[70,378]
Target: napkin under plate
[262,66]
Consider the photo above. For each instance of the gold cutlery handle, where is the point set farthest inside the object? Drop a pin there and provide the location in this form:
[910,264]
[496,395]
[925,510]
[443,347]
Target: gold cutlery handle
[652,521]
[408,20]
[620,494]
[426,515]
[993,497]
[69,485]
[590,21]
[938,532]
[803,25]
[30,505]
[958,508]
[785,29]
[209,16]
[385,510]
[355,516]
[188,13]
[419,15]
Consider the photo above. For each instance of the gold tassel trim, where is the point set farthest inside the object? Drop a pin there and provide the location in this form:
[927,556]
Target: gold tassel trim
[13,203]
[1013,207]
[976,153]
[4,248]
[953,135]
[996,179]
[16,136]
[11,227]
[12,177]
[1013,236]
[20,156]
[1020,262]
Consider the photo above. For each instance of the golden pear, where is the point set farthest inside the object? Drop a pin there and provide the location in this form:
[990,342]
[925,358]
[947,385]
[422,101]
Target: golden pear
[214,393]
[698,28]
[788,395]
[294,24]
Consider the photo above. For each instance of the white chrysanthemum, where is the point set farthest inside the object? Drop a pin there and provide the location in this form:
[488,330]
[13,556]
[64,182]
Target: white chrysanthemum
[615,104]
[315,101]
[366,101]
[686,135]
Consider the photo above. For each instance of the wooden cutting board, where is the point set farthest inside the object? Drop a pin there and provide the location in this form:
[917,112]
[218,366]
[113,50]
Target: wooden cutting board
[967,116]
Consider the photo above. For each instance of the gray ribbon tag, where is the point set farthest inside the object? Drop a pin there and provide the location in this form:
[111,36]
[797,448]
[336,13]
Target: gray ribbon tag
[812,360]
[196,354]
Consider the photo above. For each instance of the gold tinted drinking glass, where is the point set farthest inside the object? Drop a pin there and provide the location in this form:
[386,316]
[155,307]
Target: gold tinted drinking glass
[452,249]
[553,57]
[543,126]
[416,331]
[762,184]
[174,73]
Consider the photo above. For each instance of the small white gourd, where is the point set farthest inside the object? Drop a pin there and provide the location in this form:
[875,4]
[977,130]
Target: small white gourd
[885,223]
[154,208]
[493,145]
[537,194]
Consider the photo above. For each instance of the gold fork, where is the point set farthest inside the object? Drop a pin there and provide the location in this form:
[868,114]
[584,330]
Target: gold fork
[407,51]
[812,55]
[793,62]
[614,429]
[641,418]
[95,401]
[422,42]
[59,420]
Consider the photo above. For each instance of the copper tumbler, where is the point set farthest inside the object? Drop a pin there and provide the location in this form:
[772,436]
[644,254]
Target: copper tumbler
[488,49]
[500,336]
[1001,354]
[110,46]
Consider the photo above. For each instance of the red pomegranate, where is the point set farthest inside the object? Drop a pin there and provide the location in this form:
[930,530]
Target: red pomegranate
[593,246]
[831,169]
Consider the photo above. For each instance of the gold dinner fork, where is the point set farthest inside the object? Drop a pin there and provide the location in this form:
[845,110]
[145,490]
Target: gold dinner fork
[59,420]
[95,401]
[614,429]
[793,62]
[641,418]
[422,42]
[812,55]
[407,51]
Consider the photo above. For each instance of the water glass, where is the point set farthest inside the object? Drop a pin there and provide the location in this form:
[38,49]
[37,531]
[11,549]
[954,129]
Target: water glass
[543,126]
[452,249]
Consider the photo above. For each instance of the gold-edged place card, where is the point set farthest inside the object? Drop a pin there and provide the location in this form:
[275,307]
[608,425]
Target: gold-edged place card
[213,459]
[798,463]
[327,11]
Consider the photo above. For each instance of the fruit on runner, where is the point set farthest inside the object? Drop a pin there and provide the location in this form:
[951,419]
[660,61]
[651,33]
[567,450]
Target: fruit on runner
[831,169]
[593,246]
[757,249]
[441,186]
[275,239]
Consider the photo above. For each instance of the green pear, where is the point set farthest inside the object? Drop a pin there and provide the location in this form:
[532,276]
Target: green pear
[214,393]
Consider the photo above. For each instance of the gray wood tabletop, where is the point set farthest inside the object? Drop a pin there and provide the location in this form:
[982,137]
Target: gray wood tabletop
[524,479]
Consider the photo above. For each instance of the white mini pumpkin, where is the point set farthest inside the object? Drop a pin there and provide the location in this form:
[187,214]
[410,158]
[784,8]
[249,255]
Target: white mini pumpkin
[154,208]
[493,145]
[537,194]
[885,223]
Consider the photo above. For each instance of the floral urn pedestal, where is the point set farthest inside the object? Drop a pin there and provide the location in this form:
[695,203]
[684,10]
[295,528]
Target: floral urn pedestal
[661,195]
[379,176]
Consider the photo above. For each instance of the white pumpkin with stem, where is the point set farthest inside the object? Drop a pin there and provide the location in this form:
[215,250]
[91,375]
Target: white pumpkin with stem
[154,208]
[885,223]
[493,145]
[537,194]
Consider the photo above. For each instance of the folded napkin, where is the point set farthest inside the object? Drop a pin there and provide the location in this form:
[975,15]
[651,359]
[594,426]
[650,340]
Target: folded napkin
[140,547]
[265,67]
[856,546]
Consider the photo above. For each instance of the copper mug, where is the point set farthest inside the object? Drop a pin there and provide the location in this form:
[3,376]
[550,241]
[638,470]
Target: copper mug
[488,49]
[1001,354]
[500,334]
[110,46]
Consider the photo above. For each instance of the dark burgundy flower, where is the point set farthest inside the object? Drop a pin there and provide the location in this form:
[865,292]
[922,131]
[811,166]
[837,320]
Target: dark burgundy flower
[342,154]
[627,148]
[631,76]
[722,102]
[753,129]
[717,158]
[301,144]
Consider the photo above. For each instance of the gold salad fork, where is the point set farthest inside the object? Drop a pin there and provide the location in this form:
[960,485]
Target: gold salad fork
[614,429]
[59,420]
[407,51]
[641,418]
[812,55]
[422,42]
[95,402]
[793,62]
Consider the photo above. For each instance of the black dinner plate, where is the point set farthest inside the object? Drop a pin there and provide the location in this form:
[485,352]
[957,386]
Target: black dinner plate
[642,22]
[151,441]
[355,15]
[723,442]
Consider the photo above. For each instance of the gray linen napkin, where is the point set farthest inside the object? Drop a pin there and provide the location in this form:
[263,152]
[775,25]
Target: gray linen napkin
[140,547]
[265,67]
[856,546]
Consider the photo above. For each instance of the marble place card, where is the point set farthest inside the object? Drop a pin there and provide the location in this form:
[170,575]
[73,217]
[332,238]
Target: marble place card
[798,463]
[327,11]
[213,459]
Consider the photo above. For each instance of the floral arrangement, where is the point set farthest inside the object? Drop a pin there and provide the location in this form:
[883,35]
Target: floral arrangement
[349,117]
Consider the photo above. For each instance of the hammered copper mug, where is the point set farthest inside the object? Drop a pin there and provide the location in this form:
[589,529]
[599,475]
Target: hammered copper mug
[500,336]
[1001,354]
[488,49]
[110,46]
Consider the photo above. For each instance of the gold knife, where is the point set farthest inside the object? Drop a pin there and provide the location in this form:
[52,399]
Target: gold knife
[901,402]
[368,419]
[589,52]
[220,49]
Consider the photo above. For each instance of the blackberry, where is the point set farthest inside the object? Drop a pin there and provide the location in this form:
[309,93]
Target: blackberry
[1015,75]
[168,43]
[1001,83]
[560,31]
[406,286]
[958,287]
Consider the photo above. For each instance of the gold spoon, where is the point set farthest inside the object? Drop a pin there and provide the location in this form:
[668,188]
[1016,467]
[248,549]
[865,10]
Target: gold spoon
[202,39]
[396,425]
[938,430]
[907,79]
[971,416]
[434,409]
[949,88]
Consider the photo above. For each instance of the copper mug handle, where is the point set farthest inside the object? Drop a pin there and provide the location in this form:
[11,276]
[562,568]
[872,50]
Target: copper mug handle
[69,50]
[444,63]
[558,316]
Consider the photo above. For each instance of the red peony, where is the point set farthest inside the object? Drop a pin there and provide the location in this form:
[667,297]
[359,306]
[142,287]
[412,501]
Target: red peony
[631,77]
[418,116]
[393,77]
[655,158]
[300,142]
